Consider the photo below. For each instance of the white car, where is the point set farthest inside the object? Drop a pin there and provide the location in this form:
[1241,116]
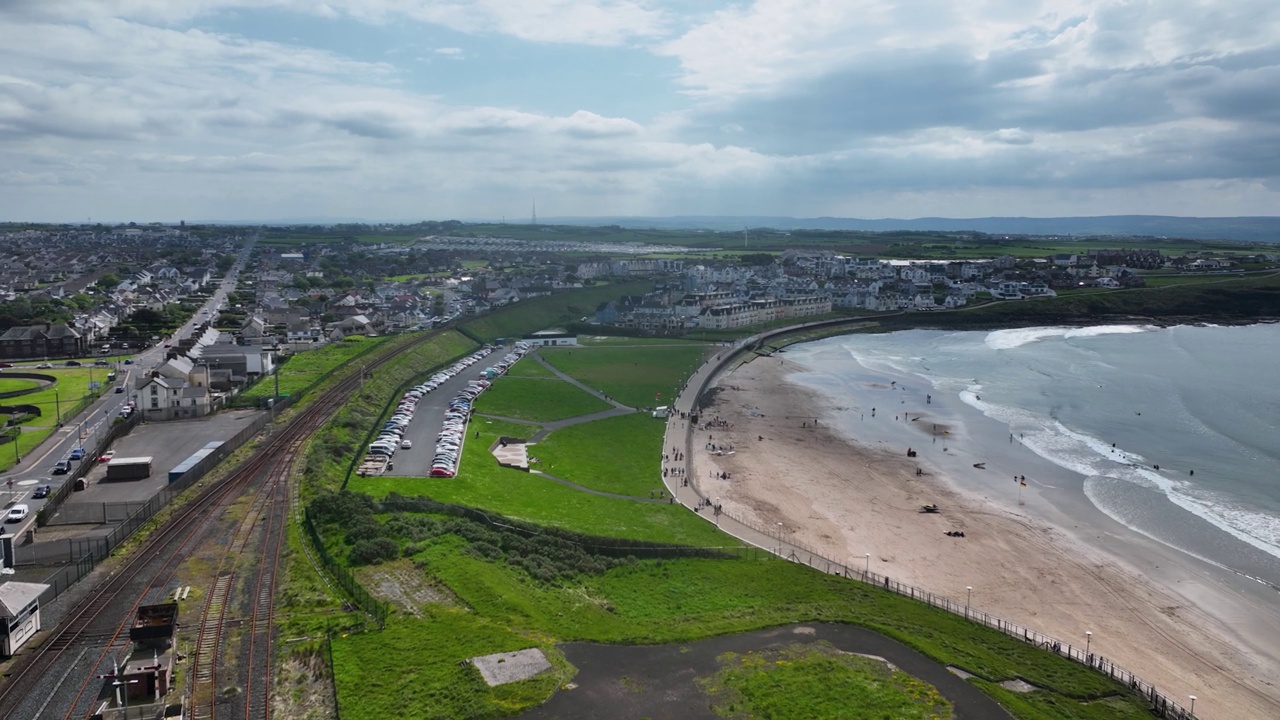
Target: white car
[406,444]
[17,513]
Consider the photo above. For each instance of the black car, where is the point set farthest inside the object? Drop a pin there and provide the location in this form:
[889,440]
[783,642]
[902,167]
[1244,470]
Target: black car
[73,363]
[41,491]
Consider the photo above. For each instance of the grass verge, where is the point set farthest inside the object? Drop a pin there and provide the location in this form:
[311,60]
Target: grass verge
[618,455]
[537,399]
[638,376]
[482,483]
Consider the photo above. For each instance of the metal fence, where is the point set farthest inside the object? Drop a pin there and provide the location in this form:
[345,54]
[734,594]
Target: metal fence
[78,556]
[344,577]
[1161,704]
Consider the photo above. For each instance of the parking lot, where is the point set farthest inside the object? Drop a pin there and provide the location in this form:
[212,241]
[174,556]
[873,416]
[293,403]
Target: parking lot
[167,443]
[428,418]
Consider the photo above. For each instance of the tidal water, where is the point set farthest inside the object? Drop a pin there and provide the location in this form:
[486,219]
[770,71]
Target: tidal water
[1110,404]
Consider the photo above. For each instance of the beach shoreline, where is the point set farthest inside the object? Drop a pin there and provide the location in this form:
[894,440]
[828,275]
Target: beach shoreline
[824,473]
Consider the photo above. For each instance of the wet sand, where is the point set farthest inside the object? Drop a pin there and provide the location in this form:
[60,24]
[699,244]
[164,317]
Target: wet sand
[846,487]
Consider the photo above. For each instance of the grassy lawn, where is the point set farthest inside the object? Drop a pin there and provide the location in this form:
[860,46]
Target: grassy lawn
[8,385]
[528,367]
[662,601]
[631,375]
[300,370]
[524,496]
[412,670]
[818,681]
[543,312]
[618,455]
[537,399]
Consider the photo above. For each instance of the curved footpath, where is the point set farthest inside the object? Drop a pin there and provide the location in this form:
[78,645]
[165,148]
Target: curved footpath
[679,436]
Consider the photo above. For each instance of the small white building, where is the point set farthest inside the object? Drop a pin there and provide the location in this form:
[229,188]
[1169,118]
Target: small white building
[556,338]
[20,610]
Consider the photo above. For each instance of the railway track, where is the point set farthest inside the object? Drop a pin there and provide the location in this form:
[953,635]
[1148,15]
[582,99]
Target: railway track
[106,612]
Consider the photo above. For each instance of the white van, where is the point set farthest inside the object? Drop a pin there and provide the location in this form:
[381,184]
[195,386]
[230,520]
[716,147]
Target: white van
[17,513]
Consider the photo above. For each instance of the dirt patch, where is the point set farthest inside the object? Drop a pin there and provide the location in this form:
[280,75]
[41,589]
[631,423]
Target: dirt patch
[1018,686]
[303,689]
[404,586]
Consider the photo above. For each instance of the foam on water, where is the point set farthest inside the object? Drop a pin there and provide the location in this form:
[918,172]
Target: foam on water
[1009,339]
[1100,463]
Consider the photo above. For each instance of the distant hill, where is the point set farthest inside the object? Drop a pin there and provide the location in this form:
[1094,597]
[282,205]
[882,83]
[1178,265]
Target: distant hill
[1247,229]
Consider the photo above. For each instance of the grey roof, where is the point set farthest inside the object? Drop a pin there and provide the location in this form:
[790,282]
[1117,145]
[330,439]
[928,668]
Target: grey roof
[15,596]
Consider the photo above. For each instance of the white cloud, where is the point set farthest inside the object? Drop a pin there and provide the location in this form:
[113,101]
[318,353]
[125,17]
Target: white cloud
[591,22]
[906,107]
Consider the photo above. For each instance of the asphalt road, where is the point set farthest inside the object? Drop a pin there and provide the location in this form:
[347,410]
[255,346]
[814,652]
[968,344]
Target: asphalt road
[428,416]
[659,681]
[87,428]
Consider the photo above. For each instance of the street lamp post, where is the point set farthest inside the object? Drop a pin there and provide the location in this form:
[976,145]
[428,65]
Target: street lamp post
[1193,705]
[968,598]
[1088,642]
[17,435]
[868,558]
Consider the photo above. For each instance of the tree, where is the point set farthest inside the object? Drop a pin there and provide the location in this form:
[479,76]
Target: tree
[108,281]
[146,316]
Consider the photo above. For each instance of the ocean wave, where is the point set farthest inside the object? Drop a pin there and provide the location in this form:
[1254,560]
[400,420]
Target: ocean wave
[1017,337]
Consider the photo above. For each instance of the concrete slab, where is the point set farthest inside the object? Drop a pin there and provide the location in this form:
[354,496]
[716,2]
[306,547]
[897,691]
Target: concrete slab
[509,667]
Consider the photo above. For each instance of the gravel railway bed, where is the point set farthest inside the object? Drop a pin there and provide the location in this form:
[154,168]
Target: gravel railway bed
[58,679]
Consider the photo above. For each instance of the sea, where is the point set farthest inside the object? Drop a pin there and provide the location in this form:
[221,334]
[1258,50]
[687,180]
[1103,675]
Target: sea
[1173,432]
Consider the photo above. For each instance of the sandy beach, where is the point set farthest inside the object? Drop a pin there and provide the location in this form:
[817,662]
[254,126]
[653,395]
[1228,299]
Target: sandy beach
[1162,615]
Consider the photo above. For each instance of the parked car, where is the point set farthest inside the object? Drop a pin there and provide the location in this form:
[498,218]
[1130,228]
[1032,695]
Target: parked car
[17,513]
[106,456]
[41,491]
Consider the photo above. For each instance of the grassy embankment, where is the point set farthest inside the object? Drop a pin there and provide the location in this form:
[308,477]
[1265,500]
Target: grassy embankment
[464,588]
[543,312]
[301,370]
[1243,298]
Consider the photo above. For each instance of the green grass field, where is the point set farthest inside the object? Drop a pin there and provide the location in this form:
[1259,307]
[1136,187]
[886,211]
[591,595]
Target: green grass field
[299,371]
[525,496]
[543,312]
[8,385]
[653,602]
[618,455]
[819,681]
[528,367]
[632,375]
[537,399]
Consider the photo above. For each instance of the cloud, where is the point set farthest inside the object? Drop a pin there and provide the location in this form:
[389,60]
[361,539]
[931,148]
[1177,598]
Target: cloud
[589,22]
[898,107]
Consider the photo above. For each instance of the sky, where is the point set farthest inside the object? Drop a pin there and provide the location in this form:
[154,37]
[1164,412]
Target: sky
[395,110]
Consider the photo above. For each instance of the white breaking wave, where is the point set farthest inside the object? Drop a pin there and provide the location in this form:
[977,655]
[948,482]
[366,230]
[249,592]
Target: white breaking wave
[1009,339]
[1099,462]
